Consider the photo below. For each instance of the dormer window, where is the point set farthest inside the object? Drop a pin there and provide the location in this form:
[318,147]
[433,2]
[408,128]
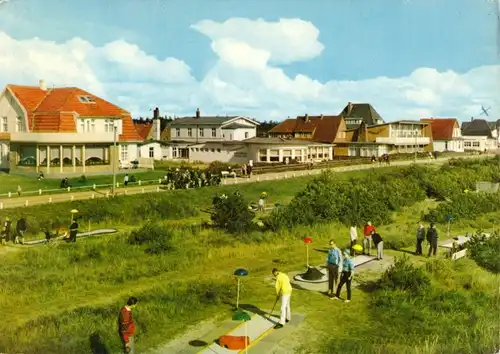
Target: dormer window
[86,99]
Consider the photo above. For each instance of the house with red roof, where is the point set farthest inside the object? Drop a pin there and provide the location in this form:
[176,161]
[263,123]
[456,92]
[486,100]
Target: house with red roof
[446,134]
[63,130]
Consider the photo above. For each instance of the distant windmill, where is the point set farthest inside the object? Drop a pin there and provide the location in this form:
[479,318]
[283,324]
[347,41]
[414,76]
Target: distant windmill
[484,111]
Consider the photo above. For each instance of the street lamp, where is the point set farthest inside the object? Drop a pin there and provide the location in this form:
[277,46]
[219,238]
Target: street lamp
[416,143]
[115,128]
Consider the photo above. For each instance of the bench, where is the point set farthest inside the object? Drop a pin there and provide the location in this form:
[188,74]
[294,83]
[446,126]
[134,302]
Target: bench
[226,174]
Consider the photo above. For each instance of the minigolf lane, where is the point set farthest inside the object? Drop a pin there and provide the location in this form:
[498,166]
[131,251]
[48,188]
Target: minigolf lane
[98,232]
[256,329]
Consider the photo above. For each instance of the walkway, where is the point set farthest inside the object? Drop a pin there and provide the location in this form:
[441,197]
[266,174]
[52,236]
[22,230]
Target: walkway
[16,202]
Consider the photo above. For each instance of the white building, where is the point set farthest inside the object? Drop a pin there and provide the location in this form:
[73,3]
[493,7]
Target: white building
[199,138]
[446,134]
[62,130]
[267,150]
[478,136]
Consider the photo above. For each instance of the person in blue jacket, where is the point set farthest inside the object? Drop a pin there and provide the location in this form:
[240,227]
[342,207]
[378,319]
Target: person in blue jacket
[346,276]
[332,264]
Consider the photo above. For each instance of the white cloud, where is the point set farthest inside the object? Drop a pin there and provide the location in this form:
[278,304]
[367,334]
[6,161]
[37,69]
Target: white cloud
[246,79]
[286,41]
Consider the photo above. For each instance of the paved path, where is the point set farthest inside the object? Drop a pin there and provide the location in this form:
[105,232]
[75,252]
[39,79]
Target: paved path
[16,202]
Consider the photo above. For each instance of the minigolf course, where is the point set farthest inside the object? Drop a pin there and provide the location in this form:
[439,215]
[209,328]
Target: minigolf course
[98,232]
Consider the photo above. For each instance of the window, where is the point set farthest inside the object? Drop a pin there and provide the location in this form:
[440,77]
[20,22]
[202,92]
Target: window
[262,155]
[274,155]
[92,125]
[201,134]
[467,144]
[4,126]
[152,152]
[177,133]
[108,125]
[174,152]
[19,124]
[124,152]
[88,125]
[218,150]
[214,132]
[190,132]
[475,144]
[86,99]
[246,135]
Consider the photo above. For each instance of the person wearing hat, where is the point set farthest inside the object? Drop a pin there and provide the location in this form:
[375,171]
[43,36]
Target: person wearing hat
[346,276]
[332,264]
[283,291]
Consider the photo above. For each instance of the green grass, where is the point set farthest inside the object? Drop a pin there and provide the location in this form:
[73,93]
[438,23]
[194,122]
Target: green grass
[57,297]
[9,182]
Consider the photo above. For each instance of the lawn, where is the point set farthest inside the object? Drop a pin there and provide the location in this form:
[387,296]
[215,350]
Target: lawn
[56,298]
[9,182]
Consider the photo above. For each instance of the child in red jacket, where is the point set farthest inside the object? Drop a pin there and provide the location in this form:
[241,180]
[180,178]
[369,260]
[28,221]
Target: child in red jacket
[126,326]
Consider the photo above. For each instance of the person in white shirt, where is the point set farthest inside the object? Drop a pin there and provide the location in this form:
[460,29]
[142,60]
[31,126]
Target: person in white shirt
[353,234]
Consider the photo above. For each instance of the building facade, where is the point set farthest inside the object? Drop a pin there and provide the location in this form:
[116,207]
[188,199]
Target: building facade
[446,134]
[62,130]
[478,136]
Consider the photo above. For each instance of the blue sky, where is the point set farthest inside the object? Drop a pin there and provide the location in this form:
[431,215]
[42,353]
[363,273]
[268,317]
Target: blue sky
[363,40]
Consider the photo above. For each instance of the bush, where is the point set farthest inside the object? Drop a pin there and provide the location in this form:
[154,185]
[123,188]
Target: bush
[405,276]
[485,251]
[156,236]
[464,205]
[232,213]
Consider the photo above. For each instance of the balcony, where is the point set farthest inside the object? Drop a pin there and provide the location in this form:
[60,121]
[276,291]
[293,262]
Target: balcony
[62,138]
[421,140]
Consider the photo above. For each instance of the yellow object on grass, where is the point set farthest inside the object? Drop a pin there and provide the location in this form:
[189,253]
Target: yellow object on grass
[357,248]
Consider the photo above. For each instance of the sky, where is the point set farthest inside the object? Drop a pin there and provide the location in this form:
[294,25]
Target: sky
[267,59]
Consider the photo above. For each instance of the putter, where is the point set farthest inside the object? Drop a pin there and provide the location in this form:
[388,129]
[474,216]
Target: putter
[271,313]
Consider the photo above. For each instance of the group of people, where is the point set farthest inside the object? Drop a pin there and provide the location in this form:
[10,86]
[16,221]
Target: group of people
[370,237]
[184,179]
[7,235]
[431,236]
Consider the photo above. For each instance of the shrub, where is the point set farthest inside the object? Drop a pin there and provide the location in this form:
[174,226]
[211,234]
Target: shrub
[405,276]
[485,251]
[157,237]
[232,213]
[464,205]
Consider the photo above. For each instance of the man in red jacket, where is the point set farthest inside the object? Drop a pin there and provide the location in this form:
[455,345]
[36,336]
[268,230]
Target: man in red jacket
[367,240]
[126,326]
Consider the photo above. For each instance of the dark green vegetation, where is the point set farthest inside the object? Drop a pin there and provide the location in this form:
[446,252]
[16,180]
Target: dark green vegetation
[376,197]
[486,251]
[57,297]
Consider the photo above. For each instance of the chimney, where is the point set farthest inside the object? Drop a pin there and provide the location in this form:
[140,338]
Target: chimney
[156,124]
[349,108]
[306,118]
[43,87]
[197,113]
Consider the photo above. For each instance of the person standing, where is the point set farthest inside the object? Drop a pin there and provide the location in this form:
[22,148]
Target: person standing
[367,240]
[73,231]
[353,235]
[125,180]
[379,244]
[283,291]
[7,226]
[346,276]
[21,228]
[332,264]
[420,239]
[126,325]
[432,238]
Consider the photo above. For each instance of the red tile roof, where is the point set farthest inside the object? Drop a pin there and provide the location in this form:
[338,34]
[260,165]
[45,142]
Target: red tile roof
[56,110]
[144,129]
[322,128]
[442,128]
